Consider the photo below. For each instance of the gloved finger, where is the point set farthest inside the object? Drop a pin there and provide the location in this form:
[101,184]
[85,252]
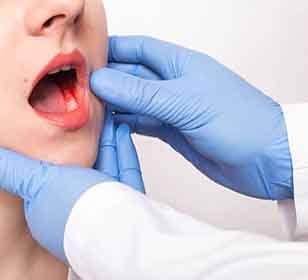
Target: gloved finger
[177,141]
[164,58]
[151,127]
[141,124]
[133,94]
[107,161]
[129,167]
[21,175]
[136,70]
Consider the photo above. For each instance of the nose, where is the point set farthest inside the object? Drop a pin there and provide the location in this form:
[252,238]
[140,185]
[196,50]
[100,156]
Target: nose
[47,16]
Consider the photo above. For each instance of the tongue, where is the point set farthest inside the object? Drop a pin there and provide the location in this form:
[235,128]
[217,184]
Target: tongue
[48,97]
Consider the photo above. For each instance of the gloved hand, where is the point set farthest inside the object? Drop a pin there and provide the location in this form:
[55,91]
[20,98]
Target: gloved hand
[50,191]
[227,128]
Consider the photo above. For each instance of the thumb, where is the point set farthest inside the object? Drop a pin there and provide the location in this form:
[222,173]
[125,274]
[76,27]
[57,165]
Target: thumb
[133,94]
[21,175]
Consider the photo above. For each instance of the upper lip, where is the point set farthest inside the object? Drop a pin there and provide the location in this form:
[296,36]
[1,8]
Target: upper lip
[75,59]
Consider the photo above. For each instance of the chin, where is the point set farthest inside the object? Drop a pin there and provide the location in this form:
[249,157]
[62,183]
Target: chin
[81,153]
[86,160]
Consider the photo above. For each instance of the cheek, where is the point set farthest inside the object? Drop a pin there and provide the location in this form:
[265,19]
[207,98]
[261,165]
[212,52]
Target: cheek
[95,38]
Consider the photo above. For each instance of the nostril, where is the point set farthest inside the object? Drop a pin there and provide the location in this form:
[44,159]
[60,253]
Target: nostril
[48,23]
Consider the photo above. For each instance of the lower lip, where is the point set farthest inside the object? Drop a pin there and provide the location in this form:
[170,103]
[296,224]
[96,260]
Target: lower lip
[71,120]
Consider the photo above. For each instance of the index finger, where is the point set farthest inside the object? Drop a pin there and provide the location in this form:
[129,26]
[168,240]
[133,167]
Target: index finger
[107,161]
[137,70]
[164,58]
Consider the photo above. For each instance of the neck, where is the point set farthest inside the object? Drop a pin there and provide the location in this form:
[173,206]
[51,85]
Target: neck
[20,256]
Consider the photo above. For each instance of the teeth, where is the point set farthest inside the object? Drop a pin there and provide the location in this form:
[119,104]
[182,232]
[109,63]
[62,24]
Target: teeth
[54,72]
[64,68]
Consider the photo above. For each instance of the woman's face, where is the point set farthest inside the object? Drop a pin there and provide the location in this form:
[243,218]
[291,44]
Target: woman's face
[52,117]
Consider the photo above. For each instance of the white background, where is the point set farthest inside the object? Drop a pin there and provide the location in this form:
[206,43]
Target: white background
[265,41]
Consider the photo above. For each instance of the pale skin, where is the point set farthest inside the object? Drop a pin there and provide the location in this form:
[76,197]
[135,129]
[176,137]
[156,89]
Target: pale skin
[26,46]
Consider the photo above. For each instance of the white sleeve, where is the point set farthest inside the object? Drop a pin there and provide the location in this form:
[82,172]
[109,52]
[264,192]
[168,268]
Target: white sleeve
[116,233]
[295,212]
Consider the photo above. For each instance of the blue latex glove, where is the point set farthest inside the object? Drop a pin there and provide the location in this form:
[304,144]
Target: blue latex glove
[227,128]
[50,191]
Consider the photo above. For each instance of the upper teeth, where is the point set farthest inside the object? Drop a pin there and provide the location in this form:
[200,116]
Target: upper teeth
[64,68]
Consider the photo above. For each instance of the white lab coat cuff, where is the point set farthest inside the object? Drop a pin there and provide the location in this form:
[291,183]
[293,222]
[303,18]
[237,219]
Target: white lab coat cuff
[295,212]
[114,232]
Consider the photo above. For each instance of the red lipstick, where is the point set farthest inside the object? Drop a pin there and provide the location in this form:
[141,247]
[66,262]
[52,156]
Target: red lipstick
[60,92]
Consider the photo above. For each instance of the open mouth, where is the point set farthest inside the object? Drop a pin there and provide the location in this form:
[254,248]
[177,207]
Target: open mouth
[56,92]
[60,92]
